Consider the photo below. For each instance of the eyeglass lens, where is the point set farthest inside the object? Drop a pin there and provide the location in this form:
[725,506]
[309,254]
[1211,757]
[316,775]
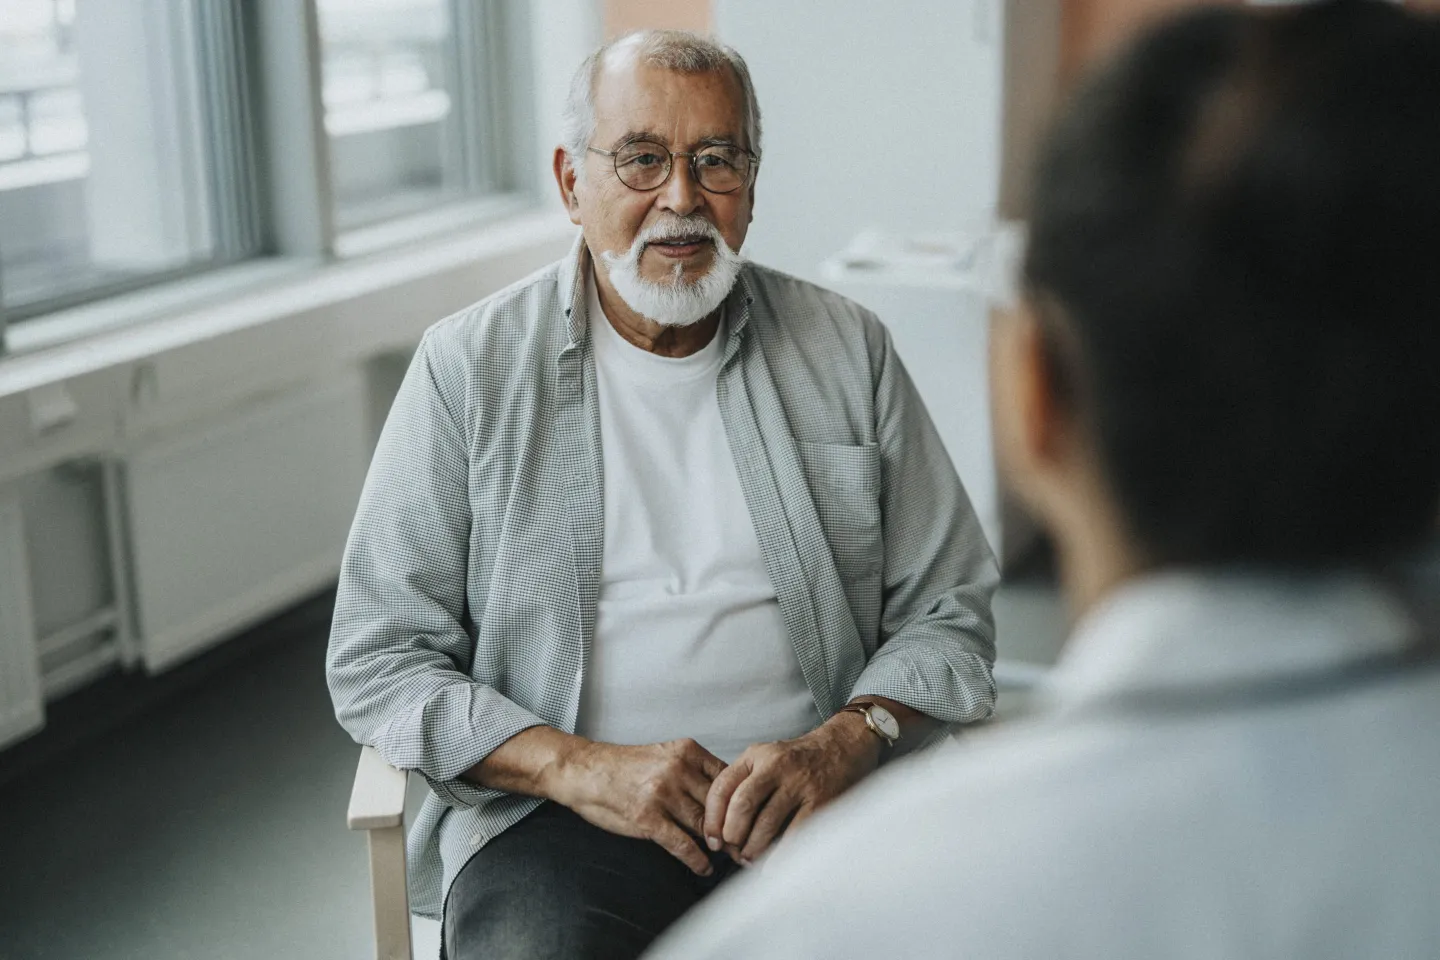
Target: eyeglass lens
[645,165]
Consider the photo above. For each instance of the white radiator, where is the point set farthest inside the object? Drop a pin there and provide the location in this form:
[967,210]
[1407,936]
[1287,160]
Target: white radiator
[22,709]
[229,523]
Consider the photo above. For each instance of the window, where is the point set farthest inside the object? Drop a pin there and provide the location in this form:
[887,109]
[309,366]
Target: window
[145,140]
[123,153]
[403,90]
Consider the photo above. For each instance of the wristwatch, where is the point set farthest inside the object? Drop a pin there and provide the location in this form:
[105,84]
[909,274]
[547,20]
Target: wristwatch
[881,722]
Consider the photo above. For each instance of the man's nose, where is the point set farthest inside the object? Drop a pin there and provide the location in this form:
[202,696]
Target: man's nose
[681,194]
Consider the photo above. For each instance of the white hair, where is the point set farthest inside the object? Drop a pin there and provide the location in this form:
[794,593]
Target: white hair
[677,50]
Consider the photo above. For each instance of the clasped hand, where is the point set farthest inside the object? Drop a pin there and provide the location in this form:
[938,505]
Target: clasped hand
[651,792]
[680,795]
[773,787]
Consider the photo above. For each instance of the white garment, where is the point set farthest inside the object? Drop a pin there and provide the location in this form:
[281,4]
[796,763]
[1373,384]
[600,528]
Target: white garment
[689,641]
[1306,827]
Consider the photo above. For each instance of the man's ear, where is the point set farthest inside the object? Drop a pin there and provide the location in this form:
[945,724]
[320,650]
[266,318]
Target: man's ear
[565,176]
[1033,426]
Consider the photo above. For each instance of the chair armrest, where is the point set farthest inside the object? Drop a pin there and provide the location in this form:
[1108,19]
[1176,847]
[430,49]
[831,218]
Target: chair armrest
[378,798]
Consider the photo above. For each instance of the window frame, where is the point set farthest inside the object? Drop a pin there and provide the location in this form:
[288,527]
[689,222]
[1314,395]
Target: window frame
[268,147]
[225,92]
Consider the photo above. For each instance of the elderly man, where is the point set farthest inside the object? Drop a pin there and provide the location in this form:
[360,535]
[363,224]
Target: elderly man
[1221,395]
[659,552]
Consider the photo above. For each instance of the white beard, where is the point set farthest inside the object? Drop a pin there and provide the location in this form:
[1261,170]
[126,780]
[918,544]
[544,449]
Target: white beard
[675,302]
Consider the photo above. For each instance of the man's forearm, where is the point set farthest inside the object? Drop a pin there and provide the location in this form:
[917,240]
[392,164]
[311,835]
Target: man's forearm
[914,725]
[530,763]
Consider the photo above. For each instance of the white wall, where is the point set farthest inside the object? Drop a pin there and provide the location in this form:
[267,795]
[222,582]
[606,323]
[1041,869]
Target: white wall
[564,33]
[876,114]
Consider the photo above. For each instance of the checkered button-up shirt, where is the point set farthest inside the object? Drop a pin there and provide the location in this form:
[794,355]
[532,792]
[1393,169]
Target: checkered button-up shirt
[468,592]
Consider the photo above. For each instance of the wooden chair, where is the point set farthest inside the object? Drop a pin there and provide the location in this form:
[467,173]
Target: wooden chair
[377,806]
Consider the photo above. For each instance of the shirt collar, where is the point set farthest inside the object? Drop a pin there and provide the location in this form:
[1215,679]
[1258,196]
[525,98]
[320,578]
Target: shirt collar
[737,312]
[1182,630]
[572,287]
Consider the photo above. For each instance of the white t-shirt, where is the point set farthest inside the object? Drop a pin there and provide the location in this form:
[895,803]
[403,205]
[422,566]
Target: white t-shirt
[689,641]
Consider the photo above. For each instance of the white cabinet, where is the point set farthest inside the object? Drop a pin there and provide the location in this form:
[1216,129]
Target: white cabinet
[232,520]
[168,484]
[22,708]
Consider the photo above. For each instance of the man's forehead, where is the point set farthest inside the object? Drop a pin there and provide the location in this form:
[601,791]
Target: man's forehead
[639,97]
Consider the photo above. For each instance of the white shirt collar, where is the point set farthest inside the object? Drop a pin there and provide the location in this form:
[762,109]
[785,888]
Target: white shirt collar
[1187,630]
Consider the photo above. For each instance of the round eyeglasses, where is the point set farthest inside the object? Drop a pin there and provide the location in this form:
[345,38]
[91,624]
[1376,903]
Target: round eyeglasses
[645,165]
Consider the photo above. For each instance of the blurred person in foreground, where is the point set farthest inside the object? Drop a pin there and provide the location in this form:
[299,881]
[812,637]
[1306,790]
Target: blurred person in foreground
[658,550]
[1221,394]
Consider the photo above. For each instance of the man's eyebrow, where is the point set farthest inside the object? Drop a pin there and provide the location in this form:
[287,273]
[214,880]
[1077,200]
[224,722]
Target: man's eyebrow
[719,140]
[629,135]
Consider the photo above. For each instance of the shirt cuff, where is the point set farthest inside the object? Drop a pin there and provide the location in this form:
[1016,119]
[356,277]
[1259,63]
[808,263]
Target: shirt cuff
[448,749]
[958,692]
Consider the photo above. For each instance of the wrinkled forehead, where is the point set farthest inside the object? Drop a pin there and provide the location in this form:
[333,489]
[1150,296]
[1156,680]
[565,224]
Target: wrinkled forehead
[678,108]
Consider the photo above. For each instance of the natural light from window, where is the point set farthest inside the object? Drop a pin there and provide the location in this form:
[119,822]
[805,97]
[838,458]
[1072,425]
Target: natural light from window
[388,88]
[108,140]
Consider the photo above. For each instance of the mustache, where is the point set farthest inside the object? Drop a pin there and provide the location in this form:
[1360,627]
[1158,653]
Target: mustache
[671,228]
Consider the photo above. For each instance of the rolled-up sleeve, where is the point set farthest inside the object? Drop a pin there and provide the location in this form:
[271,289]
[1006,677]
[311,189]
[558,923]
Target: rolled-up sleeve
[937,633]
[399,656]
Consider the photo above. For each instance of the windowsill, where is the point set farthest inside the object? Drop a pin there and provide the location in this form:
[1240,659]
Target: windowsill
[74,342]
[364,241]
[40,171]
[398,236]
[52,330]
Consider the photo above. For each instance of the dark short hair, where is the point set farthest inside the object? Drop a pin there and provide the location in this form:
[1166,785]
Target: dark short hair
[1235,255]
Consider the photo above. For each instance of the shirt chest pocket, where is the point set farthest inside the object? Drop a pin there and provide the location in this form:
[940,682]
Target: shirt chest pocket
[845,486]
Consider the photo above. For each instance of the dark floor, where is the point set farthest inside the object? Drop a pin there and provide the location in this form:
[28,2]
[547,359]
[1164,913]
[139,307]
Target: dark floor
[212,826]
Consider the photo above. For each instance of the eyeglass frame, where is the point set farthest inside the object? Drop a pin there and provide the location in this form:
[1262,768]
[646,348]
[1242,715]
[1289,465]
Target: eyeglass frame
[614,156]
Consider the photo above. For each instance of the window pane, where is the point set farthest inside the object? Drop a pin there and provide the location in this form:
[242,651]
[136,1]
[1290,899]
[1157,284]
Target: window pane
[389,88]
[104,143]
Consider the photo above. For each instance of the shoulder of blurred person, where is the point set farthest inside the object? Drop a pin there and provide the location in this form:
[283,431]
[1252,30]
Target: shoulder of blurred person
[1103,829]
[1046,841]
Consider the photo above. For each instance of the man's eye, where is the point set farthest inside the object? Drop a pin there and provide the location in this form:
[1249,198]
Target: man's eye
[711,160]
[643,160]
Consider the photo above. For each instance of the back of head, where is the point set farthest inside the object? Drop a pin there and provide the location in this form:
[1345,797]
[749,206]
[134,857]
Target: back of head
[1235,255]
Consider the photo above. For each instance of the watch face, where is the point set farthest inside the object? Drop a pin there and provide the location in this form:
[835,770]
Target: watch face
[885,721]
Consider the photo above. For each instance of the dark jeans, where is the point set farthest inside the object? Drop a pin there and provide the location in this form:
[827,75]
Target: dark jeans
[555,886]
